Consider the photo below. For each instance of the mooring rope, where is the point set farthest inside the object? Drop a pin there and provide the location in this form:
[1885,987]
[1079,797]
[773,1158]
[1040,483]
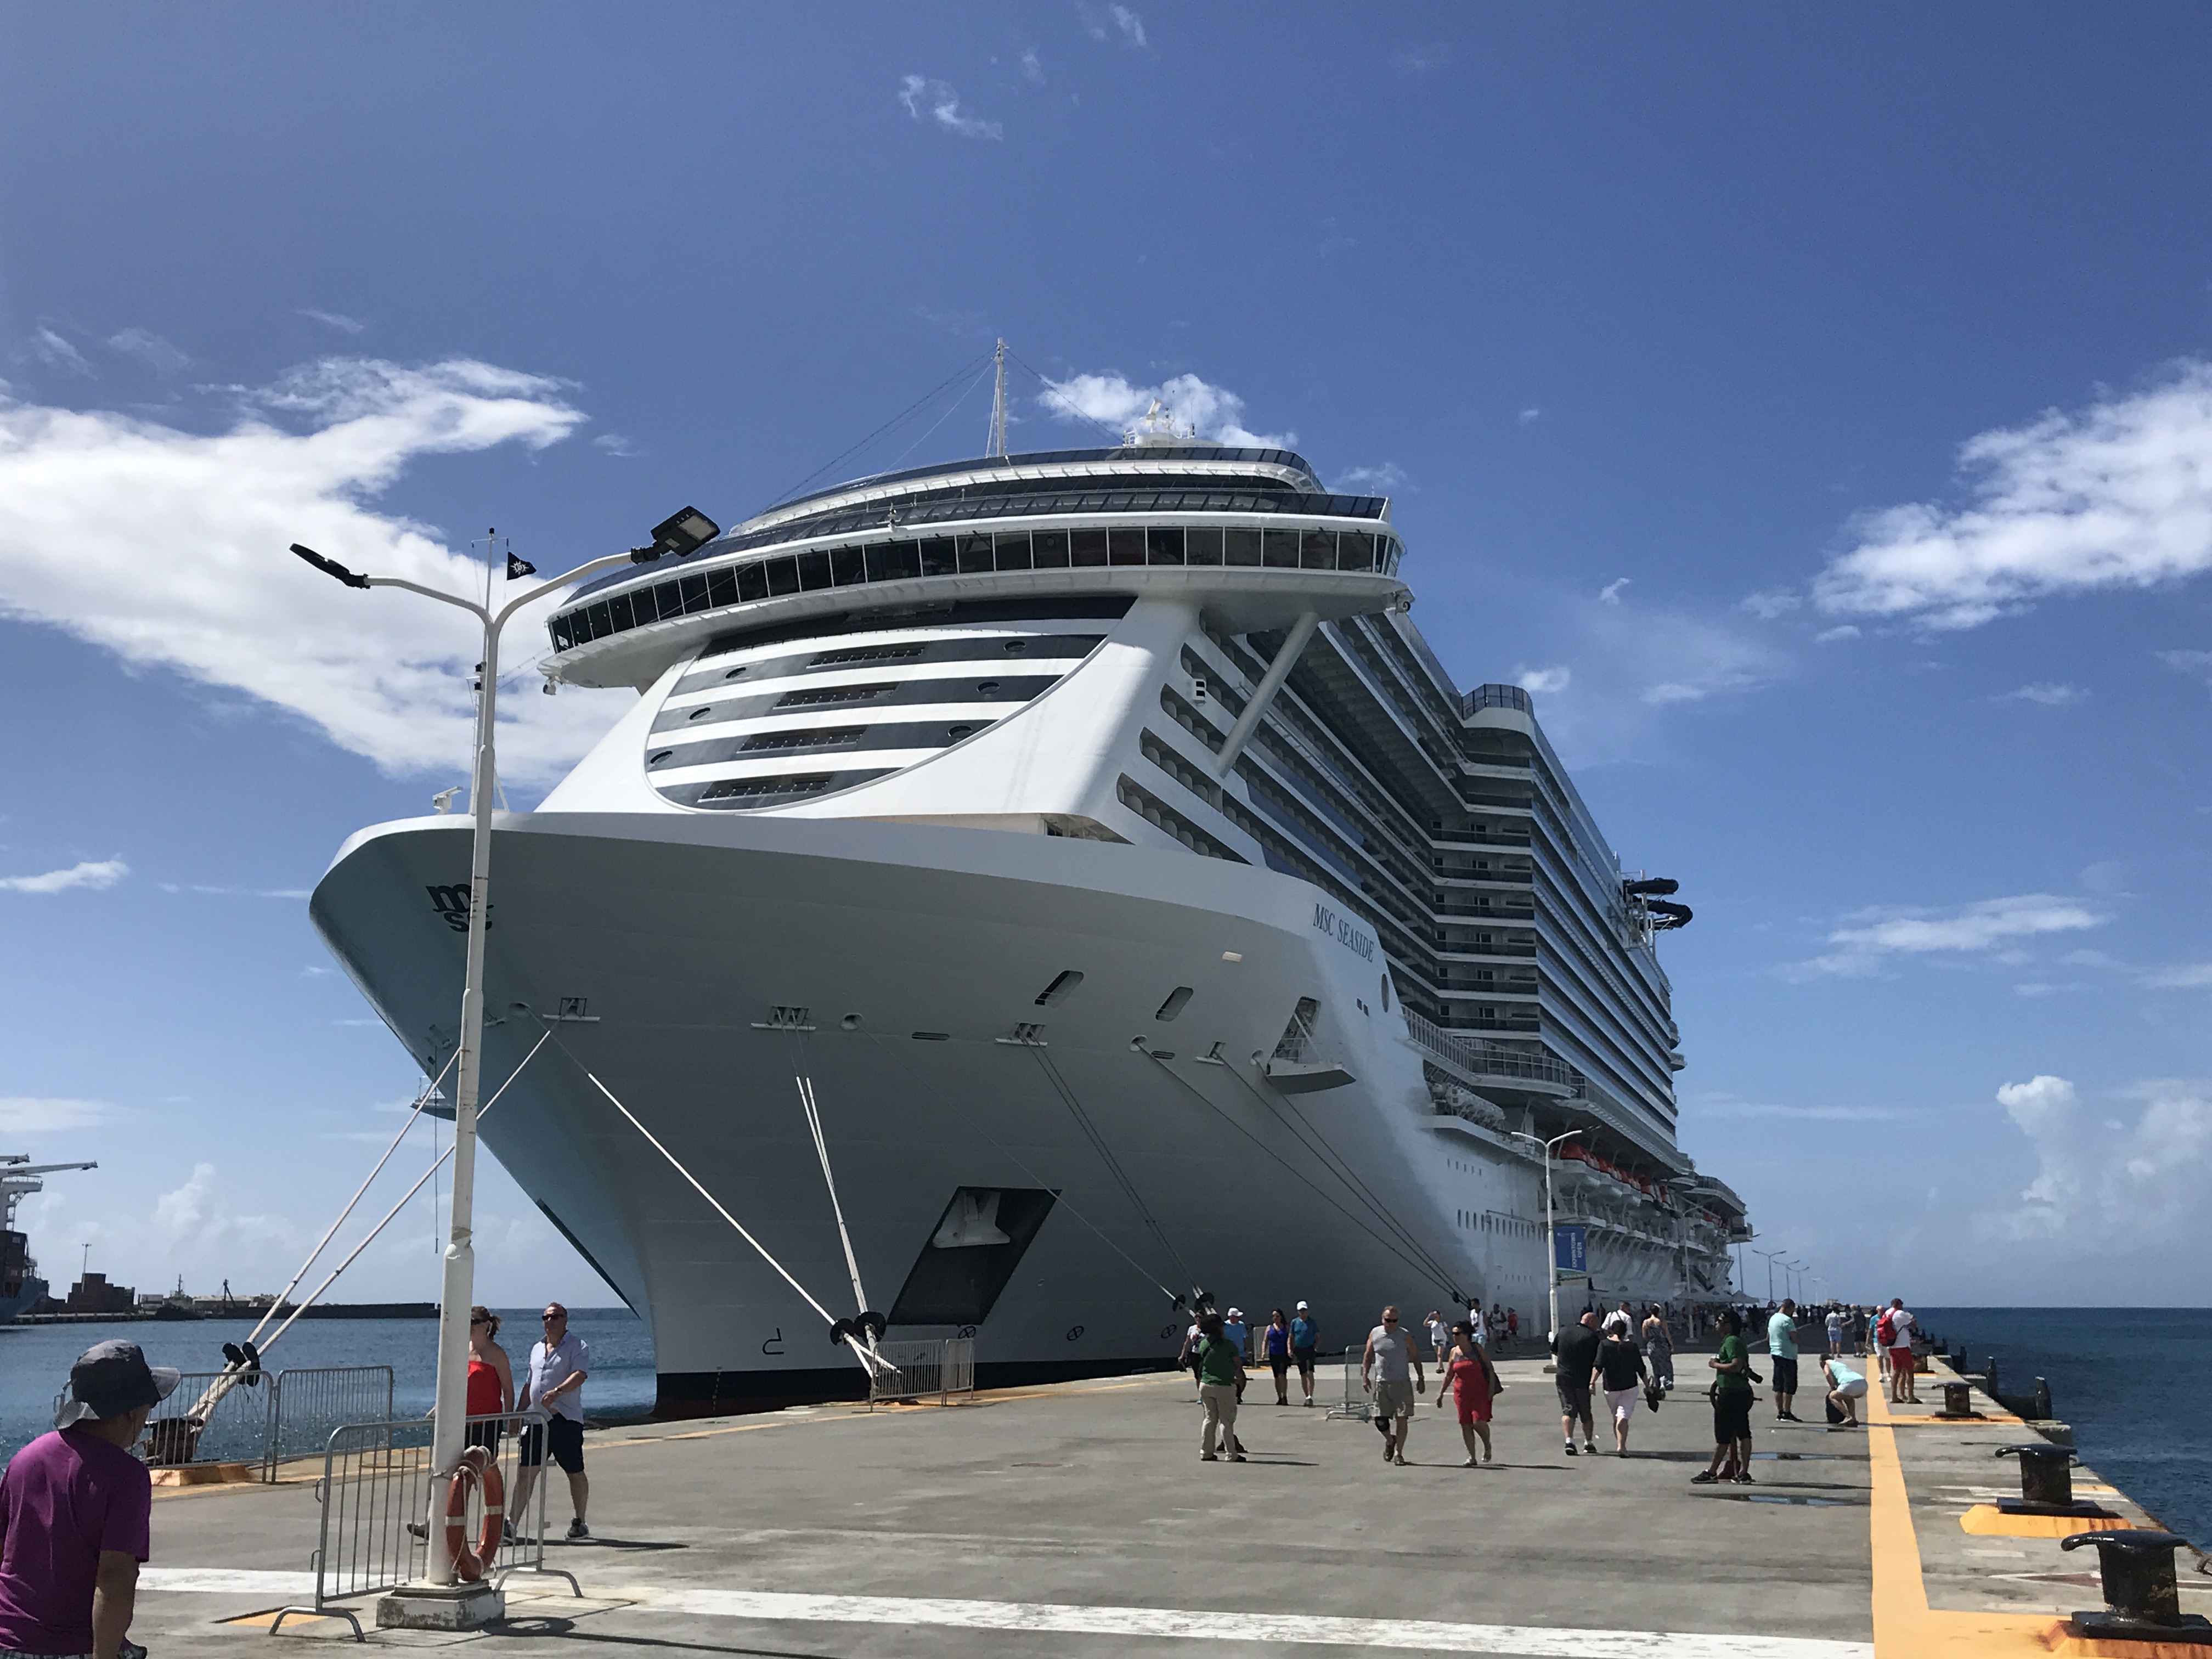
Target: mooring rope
[804,1078]
[1113,1165]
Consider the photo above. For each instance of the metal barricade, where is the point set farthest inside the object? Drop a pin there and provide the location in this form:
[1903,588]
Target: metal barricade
[1358,1405]
[376,1494]
[942,1367]
[210,1417]
[306,1406]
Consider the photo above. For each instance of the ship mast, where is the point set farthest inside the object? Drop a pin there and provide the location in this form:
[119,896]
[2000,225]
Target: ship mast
[995,444]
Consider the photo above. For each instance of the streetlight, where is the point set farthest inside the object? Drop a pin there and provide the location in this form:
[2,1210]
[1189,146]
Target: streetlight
[1550,1242]
[685,533]
[1770,1256]
[1796,1291]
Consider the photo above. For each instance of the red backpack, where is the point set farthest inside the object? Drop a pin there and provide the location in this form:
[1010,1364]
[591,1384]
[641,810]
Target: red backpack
[1885,1330]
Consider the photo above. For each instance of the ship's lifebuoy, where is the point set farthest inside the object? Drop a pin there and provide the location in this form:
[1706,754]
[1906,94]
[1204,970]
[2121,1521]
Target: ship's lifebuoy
[478,1467]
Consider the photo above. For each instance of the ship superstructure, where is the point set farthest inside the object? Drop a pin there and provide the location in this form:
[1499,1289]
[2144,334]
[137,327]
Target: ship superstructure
[20,1287]
[1097,835]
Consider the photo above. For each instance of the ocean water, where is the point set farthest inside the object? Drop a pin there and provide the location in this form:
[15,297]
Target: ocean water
[35,1359]
[2134,1383]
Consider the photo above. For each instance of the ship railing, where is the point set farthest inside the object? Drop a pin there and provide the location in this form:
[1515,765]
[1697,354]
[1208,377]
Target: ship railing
[306,1405]
[945,1368]
[376,1494]
[1482,1060]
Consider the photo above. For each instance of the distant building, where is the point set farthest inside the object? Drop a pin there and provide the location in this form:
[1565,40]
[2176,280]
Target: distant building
[93,1294]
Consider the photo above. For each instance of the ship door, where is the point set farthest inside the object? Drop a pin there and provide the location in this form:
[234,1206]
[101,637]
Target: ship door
[971,1255]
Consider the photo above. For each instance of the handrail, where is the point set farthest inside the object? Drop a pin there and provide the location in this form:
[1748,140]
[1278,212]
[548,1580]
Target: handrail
[1483,1060]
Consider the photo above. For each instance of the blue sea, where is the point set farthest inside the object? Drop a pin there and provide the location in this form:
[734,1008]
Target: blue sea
[35,1359]
[2134,1383]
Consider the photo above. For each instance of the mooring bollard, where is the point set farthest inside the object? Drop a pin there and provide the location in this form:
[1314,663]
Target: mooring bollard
[2141,1599]
[1989,1372]
[2043,1412]
[1958,1399]
[2046,1483]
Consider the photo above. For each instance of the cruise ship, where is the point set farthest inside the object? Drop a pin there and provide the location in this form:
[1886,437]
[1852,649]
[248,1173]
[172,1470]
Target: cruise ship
[1087,843]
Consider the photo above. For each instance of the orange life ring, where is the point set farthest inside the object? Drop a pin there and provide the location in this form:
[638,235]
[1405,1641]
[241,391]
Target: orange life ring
[477,1467]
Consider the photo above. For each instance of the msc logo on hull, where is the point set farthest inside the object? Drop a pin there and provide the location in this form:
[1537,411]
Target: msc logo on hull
[1348,933]
[452,903]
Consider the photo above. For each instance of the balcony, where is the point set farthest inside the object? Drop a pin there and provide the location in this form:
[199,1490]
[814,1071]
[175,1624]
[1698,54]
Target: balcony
[1481,1065]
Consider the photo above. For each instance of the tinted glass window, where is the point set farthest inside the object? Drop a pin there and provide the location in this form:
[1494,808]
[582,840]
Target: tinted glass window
[1355,551]
[782,574]
[1317,550]
[752,582]
[939,557]
[1051,549]
[814,569]
[975,554]
[1204,546]
[894,562]
[1127,546]
[1089,546]
[564,633]
[1014,552]
[847,566]
[1282,549]
[694,589]
[1164,547]
[722,587]
[619,613]
[1243,546]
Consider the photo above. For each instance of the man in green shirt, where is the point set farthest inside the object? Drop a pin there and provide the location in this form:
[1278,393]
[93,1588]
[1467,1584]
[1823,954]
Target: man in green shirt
[1731,1408]
[1220,1366]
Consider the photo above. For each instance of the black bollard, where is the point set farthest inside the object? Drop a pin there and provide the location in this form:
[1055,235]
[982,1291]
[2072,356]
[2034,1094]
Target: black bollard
[2142,1601]
[2043,1412]
[1991,1385]
[2046,1483]
[1958,1399]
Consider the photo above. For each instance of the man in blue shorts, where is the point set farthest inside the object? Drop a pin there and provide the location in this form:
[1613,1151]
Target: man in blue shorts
[558,1364]
[1304,1335]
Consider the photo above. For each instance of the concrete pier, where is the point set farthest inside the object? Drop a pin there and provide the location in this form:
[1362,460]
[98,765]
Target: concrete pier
[1079,1520]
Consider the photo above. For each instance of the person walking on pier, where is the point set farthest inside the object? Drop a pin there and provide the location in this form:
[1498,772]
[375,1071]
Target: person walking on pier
[1439,1335]
[1276,1340]
[75,1512]
[1219,1363]
[1781,1347]
[1384,1365]
[559,1364]
[1473,1385]
[1731,1407]
[1895,1335]
[1512,1324]
[1835,1322]
[1659,1348]
[1619,1374]
[491,1382]
[1305,1336]
[1574,1354]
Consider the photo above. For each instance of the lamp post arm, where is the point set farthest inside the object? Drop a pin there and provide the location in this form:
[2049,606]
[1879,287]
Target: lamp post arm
[469,605]
[590,567]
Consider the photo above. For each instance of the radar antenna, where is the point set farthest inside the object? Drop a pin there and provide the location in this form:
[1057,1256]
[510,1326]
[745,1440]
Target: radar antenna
[995,444]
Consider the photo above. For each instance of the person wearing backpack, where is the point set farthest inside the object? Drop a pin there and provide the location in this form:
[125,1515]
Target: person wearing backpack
[1894,1332]
[1220,1364]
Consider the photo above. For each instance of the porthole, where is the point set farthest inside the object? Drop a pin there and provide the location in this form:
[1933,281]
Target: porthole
[733,673]
[986,687]
[1177,999]
[1059,989]
[1015,648]
[659,756]
[701,714]
[954,734]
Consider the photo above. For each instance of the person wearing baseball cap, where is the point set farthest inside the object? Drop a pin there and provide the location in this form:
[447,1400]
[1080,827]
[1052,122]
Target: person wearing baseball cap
[75,1510]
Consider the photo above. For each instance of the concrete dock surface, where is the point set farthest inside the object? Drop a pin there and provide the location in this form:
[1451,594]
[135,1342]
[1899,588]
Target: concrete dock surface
[1079,1520]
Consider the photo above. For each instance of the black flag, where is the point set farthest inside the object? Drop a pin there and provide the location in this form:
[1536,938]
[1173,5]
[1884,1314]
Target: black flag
[517,569]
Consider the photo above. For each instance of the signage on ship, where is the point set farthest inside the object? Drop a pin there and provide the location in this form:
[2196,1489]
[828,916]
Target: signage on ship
[1346,931]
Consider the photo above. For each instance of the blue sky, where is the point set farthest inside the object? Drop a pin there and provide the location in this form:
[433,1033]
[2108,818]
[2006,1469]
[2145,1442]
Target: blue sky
[1815,409]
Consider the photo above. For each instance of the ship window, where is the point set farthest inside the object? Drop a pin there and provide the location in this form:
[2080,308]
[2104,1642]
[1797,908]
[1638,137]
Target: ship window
[721,588]
[1014,552]
[695,594]
[893,561]
[1058,991]
[1317,550]
[1177,1000]
[1015,648]
[954,734]
[701,713]
[782,574]
[619,614]
[1204,546]
[733,673]
[814,569]
[563,632]
[746,789]
[1163,546]
[1242,545]
[1282,549]
[659,756]
[1051,549]
[820,737]
[939,556]
[974,554]
[1088,546]
[752,582]
[847,567]
[986,688]
[832,694]
[1355,551]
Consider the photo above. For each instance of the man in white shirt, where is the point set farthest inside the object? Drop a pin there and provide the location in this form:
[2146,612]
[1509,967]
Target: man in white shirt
[555,1384]
[1385,1365]
[1836,1334]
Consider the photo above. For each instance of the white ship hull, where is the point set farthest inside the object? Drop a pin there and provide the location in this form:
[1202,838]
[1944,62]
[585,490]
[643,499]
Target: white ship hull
[680,934]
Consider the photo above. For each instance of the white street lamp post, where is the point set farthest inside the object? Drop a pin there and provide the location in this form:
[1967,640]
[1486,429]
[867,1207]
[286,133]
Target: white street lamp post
[1770,1256]
[1550,1242]
[458,1291]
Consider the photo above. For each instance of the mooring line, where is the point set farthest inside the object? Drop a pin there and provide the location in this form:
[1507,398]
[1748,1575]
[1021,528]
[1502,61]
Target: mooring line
[804,1078]
[1113,1166]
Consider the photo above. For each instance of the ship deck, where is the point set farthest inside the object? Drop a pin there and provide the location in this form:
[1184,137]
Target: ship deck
[1079,1520]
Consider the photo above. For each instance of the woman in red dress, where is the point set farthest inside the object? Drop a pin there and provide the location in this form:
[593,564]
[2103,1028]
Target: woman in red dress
[1473,1382]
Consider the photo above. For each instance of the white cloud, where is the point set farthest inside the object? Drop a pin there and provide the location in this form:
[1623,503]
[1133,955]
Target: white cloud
[1419,60]
[615,444]
[2117,495]
[919,92]
[105,873]
[150,348]
[29,1115]
[2180,976]
[1370,480]
[1131,25]
[1986,925]
[1112,400]
[1544,681]
[1032,67]
[2046,693]
[338,320]
[1829,637]
[49,347]
[2100,1176]
[1529,417]
[1610,593]
[1772,602]
[1746,1109]
[168,548]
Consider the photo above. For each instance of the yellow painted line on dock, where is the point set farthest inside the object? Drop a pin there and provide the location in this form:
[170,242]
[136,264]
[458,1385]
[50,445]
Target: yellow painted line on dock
[1905,1625]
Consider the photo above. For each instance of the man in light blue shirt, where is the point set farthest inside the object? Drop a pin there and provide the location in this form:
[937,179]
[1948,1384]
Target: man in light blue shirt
[1782,1345]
